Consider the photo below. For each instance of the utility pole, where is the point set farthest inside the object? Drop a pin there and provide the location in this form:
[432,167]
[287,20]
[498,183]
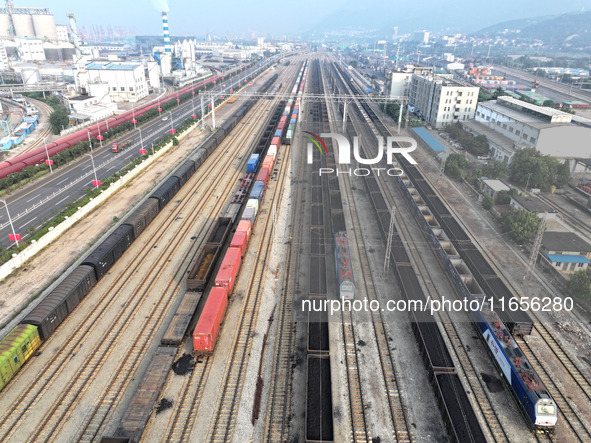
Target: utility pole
[535,249]
[389,243]
[443,160]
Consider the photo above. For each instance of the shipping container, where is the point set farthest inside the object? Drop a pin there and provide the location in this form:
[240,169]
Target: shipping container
[253,162]
[272,151]
[283,119]
[281,125]
[226,276]
[263,177]
[249,214]
[269,162]
[240,240]
[207,329]
[253,203]
[257,190]
[278,133]
[292,121]
[276,141]
[244,226]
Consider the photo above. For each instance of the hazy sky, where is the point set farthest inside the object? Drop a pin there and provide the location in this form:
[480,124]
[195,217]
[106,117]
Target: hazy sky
[232,17]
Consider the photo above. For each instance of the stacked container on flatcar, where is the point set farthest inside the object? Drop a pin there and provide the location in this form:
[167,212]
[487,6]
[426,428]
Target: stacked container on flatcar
[206,332]
[226,276]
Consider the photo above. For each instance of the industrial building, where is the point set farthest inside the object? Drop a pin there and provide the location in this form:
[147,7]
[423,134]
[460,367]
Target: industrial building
[398,81]
[441,100]
[126,80]
[527,125]
[565,251]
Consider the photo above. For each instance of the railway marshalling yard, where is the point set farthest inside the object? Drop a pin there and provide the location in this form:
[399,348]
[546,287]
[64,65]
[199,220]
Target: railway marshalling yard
[257,385]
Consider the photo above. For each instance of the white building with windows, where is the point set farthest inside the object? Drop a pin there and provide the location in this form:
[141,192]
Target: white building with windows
[550,131]
[441,100]
[127,81]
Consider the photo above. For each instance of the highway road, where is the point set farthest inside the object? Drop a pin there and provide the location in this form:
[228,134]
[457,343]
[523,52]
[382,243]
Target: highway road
[45,197]
[567,90]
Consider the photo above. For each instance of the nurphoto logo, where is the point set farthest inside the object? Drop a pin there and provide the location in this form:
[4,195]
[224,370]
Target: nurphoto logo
[393,145]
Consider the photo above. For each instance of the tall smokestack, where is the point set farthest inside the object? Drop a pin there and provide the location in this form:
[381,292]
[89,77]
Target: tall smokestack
[166,34]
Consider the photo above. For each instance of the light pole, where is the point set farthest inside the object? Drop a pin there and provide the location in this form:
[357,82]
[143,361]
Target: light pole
[133,120]
[172,131]
[96,181]
[10,221]
[49,162]
[89,140]
[141,140]
[99,136]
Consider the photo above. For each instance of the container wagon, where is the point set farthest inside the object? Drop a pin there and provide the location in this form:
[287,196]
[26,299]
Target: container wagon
[207,329]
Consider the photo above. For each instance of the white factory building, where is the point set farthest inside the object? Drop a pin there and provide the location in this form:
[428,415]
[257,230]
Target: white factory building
[441,100]
[126,80]
[520,124]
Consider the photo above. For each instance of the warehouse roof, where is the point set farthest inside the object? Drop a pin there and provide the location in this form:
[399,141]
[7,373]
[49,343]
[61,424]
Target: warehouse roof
[533,204]
[567,258]
[495,184]
[111,66]
[564,241]
[431,141]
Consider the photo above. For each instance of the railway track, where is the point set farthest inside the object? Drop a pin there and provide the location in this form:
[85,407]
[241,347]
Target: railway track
[569,218]
[401,431]
[103,407]
[568,414]
[280,394]
[470,375]
[185,408]
[54,420]
[228,401]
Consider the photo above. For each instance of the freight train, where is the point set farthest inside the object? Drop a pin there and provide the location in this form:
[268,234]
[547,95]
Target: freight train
[206,331]
[460,256]
[40,323]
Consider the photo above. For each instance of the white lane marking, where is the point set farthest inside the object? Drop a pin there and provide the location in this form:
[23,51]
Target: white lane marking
[63,199]
[28,223]
[33,198]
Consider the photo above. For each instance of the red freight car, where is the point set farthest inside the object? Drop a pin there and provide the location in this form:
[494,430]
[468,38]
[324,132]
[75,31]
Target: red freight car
[206,332]
[244,226]
[263,176]
[240,240]
[226,276]
[276,141]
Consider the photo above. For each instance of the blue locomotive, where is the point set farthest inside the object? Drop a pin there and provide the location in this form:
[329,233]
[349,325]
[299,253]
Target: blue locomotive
[526,386]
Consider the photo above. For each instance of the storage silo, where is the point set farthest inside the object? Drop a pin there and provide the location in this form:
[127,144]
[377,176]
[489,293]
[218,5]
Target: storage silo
[44,25]
[4,25]
[31,76]
[23,25]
